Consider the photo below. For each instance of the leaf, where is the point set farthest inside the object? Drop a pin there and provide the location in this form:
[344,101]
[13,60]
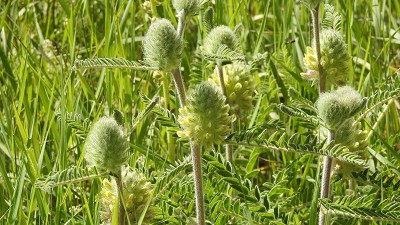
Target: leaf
[67,176]
[119,63]
[359,208]
[224,54]
[332,19]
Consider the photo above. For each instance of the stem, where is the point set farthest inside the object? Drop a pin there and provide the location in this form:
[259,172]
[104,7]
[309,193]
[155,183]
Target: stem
[195,149]
[177,73]
[315,21]
[180,86]
[326,177]
[121,208]
[181,24]
[198,183]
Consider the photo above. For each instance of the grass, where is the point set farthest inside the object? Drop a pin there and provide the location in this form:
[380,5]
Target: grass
[46,109]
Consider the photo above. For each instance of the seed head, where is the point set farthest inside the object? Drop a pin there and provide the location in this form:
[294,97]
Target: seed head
[335,59]
[218,37]
[136,194]
[334,108]
[205,117]
[240,87]
[188,8]
[106,146]
[162,46]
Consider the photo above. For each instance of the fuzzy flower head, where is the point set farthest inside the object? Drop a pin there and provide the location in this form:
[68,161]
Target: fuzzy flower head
[205,117]
[106,146]
[240,87]
[187,8]
[137,192]
[334,108]
[162,46]
[221,36]
[335,59]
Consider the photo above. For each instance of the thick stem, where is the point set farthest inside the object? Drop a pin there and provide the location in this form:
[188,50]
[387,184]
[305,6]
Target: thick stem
[315,20]
[198,183]
[180,86]
[181,24]
[326,177]
[121,208]
[196,149]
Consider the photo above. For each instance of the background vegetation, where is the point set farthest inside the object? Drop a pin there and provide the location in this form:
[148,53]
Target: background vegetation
[46,112]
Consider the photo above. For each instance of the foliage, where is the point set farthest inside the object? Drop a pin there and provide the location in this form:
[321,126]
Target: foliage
[54,85]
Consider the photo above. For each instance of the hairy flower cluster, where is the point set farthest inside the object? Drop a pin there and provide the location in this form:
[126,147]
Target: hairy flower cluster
[136,194]
[188,8]
[240,86]
[219,37]
[335,59]
[106,146]
[205,118]
[162,46]
[334,108]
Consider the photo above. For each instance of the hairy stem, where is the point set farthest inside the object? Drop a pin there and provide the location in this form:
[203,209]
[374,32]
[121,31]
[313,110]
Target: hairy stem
[177,73]
[121,208]
[198,183]
[327,164]
[315,21]
[180,86]
[195,149]
[181,24]
[326,177]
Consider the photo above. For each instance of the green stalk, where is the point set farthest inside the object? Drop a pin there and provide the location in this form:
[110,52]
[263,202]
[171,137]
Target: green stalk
[180,86]
[121,208]
[198,183]
[195,149]
[315,21]
[326,177]
[328,162]
[228,148]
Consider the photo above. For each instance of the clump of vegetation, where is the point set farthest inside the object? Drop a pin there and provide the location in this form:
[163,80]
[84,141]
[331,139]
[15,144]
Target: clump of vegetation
[291,114]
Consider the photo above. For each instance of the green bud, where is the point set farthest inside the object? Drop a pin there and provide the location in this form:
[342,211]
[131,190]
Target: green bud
[106,146]
[240,87]
[136,193]
[188,8]
[218,37]
[162,46]
[205,117]
[335,59]
[346,133]
[334,108]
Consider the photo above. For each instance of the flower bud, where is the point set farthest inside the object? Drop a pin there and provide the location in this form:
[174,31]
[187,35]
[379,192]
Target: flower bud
[205,117]
[162,46]
[136,193]
[188,8]
[335,59]
[336,107]
[240,87]
[218,37]
[106,146]
[346,133]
